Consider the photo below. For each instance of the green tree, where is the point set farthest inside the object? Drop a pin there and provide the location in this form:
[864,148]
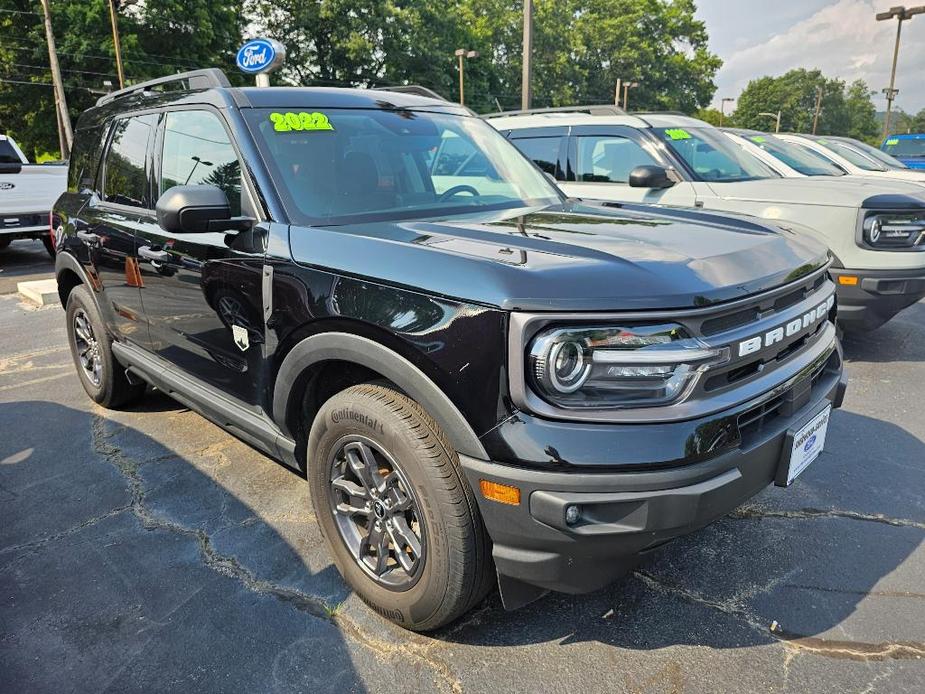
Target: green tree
[844,110]
[714,117]
[158,38]
[917,125]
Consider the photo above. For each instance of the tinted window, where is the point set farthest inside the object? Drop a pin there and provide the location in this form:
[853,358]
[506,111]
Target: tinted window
[905,146]
[805,161]
[126,180]
[609,159]
[852,155]
[197,151]
[544,151]
[85,159]
[8,155]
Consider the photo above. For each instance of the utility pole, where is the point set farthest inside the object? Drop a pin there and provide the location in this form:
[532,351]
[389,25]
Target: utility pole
[462,54]
[616,92]
[116,44]
[818,107]
[722,109]
[65,134]
[901,14]
[526,89]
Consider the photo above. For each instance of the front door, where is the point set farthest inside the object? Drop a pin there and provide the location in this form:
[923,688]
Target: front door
[600,160]
[201,293]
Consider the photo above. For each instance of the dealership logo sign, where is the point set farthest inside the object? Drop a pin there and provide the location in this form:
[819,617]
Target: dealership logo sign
[260,55]
[789,329]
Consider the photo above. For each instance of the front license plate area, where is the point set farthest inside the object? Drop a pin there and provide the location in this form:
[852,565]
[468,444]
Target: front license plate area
[802,446]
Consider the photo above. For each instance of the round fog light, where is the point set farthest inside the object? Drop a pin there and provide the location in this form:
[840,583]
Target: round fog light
[572,514]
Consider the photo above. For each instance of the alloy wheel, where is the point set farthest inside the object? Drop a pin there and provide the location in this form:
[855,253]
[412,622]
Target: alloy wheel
[88,348]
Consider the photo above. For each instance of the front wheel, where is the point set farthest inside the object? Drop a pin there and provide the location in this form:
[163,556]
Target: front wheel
[400,520]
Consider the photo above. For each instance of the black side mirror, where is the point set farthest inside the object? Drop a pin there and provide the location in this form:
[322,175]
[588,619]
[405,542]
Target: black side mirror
[650,177]
[196,210]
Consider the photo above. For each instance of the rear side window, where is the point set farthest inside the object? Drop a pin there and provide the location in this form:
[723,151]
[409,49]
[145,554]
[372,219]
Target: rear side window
[8,155]
[609,159]
[85,159]
[544,151]
[125,180]
[197,151]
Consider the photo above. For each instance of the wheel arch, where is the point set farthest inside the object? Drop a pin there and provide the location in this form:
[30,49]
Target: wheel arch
[69,274]
[365,353]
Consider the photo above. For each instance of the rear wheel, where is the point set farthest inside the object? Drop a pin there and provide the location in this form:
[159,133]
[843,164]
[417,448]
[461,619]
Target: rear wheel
[391,501]
[4,243]
[100,374]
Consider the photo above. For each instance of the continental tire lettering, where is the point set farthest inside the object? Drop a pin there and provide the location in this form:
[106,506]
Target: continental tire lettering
[348,415]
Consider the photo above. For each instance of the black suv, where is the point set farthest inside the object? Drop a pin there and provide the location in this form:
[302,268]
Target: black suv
[477,375]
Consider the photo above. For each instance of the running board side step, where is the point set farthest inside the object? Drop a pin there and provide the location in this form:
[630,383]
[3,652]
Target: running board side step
[256,429]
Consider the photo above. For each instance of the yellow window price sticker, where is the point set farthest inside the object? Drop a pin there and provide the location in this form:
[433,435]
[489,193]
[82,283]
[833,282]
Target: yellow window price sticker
[758,138]
[303,120]
[678,134]
[893,141]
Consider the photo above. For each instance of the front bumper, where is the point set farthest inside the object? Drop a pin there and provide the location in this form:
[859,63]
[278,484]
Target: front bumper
[624,514]
[878,296]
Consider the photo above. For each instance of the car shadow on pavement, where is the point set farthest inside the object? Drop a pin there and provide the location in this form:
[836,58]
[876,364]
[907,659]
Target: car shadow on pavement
[803,559]
[902,339]
[131,567]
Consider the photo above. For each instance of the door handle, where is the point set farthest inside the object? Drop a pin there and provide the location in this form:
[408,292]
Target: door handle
[89,237]
[156,256]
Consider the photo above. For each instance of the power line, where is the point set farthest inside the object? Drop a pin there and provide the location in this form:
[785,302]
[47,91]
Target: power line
[83,72]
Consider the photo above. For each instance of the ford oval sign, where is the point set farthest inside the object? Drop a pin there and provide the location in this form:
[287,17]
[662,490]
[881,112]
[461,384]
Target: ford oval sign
[260,55]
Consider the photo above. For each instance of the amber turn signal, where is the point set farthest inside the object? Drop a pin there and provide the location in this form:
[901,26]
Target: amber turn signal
[502,493]
[849,280]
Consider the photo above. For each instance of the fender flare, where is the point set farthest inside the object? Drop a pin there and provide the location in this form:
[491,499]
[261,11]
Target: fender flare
[365,352]
[66,261]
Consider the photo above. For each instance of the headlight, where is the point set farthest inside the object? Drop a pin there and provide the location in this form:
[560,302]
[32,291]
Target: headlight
[895,230]
[612,367]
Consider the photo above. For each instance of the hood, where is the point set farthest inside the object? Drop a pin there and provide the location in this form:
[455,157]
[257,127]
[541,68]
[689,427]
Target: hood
[568,257]
[834,191]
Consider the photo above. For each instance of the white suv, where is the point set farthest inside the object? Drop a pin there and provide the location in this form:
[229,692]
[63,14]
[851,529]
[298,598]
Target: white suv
[876,230]
[855,157]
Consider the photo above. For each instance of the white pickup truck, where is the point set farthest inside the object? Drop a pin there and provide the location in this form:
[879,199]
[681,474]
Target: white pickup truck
[27,193]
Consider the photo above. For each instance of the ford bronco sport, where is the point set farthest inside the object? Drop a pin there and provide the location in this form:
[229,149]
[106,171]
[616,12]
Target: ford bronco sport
[481,380]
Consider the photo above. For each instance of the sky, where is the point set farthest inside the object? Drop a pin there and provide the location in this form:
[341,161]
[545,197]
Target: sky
[840,37]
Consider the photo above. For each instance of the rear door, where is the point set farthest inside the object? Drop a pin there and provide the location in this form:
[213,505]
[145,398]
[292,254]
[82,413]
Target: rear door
[112,221]
[201,293]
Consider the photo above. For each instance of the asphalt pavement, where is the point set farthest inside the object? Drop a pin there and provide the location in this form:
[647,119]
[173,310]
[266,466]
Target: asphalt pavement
[147,550]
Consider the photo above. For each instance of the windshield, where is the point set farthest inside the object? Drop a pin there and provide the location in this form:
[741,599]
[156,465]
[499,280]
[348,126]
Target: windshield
[905,146]
[712,156]
[874,153]
[360,165]
[803,160]
[852,155]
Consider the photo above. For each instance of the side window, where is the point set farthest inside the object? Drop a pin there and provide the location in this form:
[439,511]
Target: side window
[85,159]
[609,159]
[544,151]
[125,179]
[197,151]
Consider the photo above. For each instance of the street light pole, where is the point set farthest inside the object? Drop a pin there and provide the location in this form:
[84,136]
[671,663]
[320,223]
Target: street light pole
[818,107]
[722,108]
[462,54]
[901,14]
[776,117]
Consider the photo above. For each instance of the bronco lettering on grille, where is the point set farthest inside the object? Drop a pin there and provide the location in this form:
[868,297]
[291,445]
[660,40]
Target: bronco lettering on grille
[753,344]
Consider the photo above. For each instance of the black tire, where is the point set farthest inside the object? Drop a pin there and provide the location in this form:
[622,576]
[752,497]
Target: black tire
[4,242]
[455,569]
[107,384]
[49,245]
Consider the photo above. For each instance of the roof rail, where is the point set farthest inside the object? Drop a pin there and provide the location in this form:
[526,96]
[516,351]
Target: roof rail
[412,89]
[591,109]
[195,79]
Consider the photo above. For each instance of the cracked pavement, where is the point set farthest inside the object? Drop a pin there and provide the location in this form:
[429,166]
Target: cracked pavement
[147,550]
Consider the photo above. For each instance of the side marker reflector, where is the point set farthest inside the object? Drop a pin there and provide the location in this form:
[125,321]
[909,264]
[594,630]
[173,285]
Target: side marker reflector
[849,280]
[502,493]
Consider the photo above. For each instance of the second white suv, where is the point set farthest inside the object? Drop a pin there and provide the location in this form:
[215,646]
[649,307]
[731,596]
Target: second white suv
[876,231]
